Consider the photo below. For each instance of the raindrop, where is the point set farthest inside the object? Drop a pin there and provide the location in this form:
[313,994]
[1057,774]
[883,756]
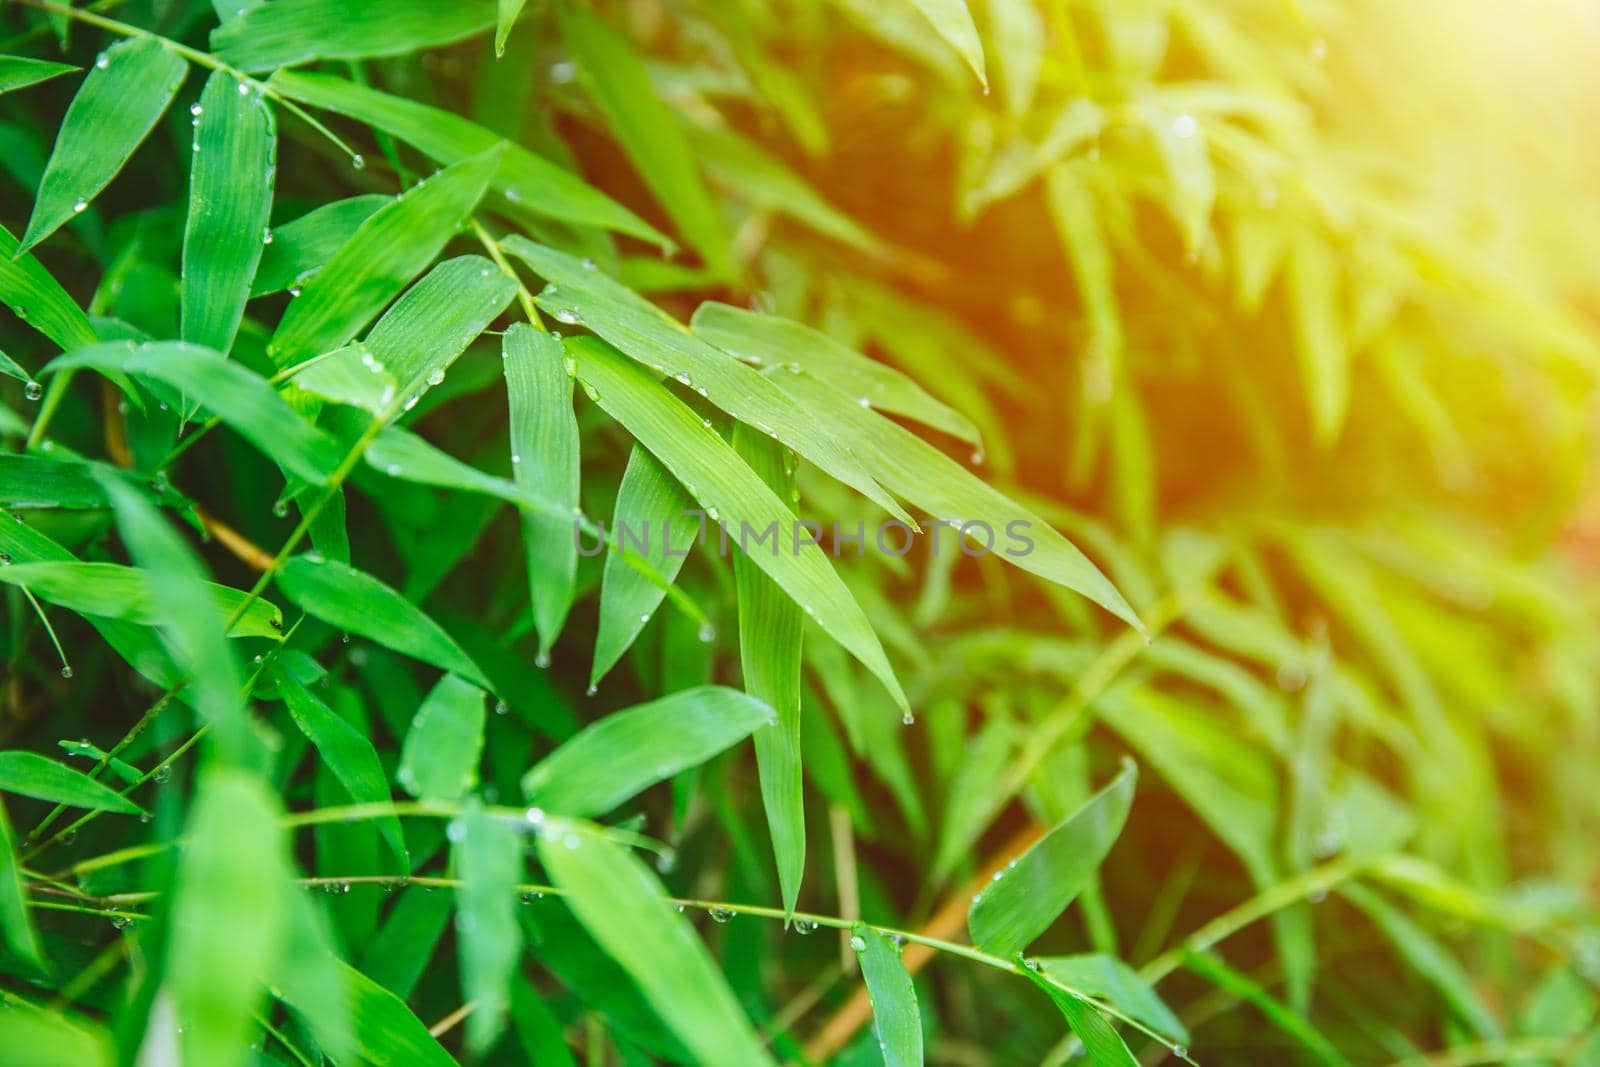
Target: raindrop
[501,707]
[5,559]
[707,633]
[592,690]
[568,316]
[66,672]
[644,617]
[591,392]
[588,264]
[161,774]
[79,205]
[907,719]
[266,236]
[1319,50]
[358,161]
[864,402]
[719,914]
[1180,1051]
[1030,963]
[542,660]
[571,365]
[195,110]
[858,943]
[516,458]
[102,61]
[281,509]
[534,817]
[1185,126]
[435,376]
[120,922]
[977,459]
[244,88]
[32,390]
[294,291]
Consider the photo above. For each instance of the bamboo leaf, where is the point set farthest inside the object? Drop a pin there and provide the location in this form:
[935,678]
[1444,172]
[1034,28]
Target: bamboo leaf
[230,203]
[724,485]
[301,248]
[113,591]
[1319,333]
[284,32]
[1099,1037]
[643,332]
[34,1037]
[953,21]
[385,1030]
[442,749]
[770,630]
[654,518]
[527,180]
[351,600]
[16,925]
[544,461]
[399,953]
[119,102]
[1232,982]
[506,12]
[1028,895]
[628,751]
[393,246]
[895,1014]
[225,388]
[488,857]
[1120,986]
[38,299]
[19,72]
[32,775]
[619,902]
[347,752]
[615,78]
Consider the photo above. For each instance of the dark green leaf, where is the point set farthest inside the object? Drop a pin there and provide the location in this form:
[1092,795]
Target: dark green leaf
[895,1014]
[283,32]
[445,742]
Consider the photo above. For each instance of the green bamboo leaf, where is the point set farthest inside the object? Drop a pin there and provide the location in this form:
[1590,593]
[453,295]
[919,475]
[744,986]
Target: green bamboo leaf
[228,390]
[769,340]
[231,906]
[579,293]
[385,1030]
[1232,982]
[32,775]
[505,18]
[527,180]
[620,903]
[650,500]
[284,32]
[1099,1037]
[113,591]
[1027,896]
[230,202]
[352,600]
[389,249]
[1314,289]
[488,860]
[16,925]
[12,369]
[347,752]
[726,486]
[953,21]
[18,72]
[628,751]
[933,481]
[38,299]
[304,246]
[402,454]
[538,1029]
[544,461]
[36,482]
[1120,986]
[399,953]
[125,94]
[615,78]
[36,1037]
[770,630]
[445,742]
[895,1014]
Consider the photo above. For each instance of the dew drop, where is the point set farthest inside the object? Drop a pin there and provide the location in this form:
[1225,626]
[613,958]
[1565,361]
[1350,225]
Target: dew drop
[568,316]
[542,660]
[120,922]
[32,390]
[435,376]
[719,914]
[501,707]
[244,88]
[66,672]
[907,719]
[858,943]
[5,559]
[864,402]
[588,264]
[102,61]
[707,633]
[79,205]
[592,690]
[161,774]
[1185,126]
[195,110]
[266,236]
[294,291]
[358,161]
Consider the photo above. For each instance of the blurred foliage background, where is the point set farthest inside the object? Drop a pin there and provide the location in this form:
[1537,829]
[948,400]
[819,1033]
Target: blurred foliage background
[1283,311]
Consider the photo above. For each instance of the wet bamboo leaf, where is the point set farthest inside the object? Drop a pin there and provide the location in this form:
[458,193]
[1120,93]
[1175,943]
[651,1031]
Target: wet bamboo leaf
[32,775]
[526,179]
[348,753]
[399,953]
[285,32]
[230,203]
[653,518]
[393,246]
[488,855]
[119,102]
[351,600]
[895,1014]
[1027,896]
[726,487]
[231,906]
[113,591]
[1099,1037]
[953,21]
[506,12]
[442,749]
[38,299]
[620,903]
[614,77]
[544,461]
[1319,334]
[384,1029]
[770,630]
[1119,985]
[16,925]
[301,248]
[18,72]
[628,751]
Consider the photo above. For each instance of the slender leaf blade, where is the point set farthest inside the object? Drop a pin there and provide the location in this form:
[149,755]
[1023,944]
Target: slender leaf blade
[895,1014]
[445,742]
[488,857]
[285,32]
[32,775]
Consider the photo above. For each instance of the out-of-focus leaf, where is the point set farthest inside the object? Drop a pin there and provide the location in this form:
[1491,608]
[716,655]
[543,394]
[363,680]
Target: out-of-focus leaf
[1120,986]
[620,903]
[38,299]
[34,1037]
[895,1015]
[442,749]
[953,21]
[348,753]
[725,486]
[489,863]
[527,180]
[351,600]
[115,108]
[1019,39]
[1028,895]
[32,775]
[230,910]
[1191,177]
[18,72]
[628,751]
[300,248]
[225,388]
[284,32]
[1278,1014]
[652,519]
[505,19]
[385,1030]
[230,201]
[544,461]
[1099,1037]
[1319,333]
[389,249]
[615,78]
[117,592]
[399,953]
[768,340]
[16,925]
[538,1029]
[770,630]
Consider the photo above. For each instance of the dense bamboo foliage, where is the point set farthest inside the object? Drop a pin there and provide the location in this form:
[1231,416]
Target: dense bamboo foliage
[742,532]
